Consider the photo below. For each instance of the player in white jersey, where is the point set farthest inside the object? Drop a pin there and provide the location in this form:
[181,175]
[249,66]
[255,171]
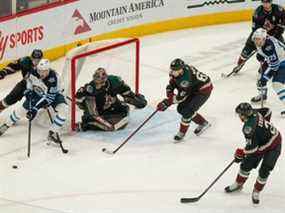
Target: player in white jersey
[271,54]
[42,92]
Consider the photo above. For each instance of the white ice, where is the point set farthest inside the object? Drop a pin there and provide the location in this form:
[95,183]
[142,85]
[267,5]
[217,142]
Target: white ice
[151,173]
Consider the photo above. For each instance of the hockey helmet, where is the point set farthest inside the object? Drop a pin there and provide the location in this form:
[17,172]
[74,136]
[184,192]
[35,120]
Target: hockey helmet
[266,1]
[43,65]
[100,75]
[37,54]
[43,68]
[244,109]
[177,64]
[259,37]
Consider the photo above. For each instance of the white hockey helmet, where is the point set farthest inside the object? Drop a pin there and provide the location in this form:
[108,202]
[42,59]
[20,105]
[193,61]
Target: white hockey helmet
[259,33]
[43,65]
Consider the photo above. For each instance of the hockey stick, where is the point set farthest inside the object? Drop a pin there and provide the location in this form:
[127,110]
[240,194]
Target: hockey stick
[195,199]
[237,68]
[60,142]
[29,130]
[130,136]
[262,101]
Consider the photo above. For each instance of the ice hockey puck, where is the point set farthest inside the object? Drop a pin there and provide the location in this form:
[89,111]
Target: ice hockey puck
[104,149]
[15,167]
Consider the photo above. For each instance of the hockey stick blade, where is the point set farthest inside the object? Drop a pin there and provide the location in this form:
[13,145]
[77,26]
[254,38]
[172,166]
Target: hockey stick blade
[189,200]
[64,151]
[107,151]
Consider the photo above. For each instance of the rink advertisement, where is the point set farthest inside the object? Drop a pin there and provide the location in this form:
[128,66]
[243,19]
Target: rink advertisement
[66,24]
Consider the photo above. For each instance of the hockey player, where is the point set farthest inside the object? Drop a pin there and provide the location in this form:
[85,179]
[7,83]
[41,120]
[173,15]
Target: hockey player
[271,52]
[263,144]
[190,89]
[102,109]
[26,65]
[268,16]
[42,91]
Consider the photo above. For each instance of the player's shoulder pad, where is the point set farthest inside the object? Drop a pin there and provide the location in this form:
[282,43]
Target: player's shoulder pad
[250,126]
[258,11]
[280,8]
[115,80]
[277,8]
[25,60]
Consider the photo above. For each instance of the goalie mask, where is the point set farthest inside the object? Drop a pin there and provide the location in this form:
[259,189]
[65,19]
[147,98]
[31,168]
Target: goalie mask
[259,37]
[176,67]
[43,68]
[100,76]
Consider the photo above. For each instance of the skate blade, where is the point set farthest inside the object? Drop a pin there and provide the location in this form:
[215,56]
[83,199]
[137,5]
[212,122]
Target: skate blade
[203,130]
[178,141]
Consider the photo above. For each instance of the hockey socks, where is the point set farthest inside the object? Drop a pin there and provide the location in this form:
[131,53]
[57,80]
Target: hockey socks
[184,125]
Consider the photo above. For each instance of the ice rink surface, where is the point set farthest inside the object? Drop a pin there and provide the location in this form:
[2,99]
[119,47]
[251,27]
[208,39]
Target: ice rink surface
[151,173]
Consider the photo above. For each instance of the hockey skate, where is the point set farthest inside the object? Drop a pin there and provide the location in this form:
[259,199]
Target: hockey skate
[178,137]
[3,129]
[53,137]
[258,99]
[255,197]
[201,128]
[235,187]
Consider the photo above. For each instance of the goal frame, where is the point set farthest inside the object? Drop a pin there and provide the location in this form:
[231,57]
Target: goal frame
[74,59]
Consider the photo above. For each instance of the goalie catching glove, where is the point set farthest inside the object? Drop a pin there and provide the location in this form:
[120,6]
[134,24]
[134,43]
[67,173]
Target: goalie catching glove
[137,100]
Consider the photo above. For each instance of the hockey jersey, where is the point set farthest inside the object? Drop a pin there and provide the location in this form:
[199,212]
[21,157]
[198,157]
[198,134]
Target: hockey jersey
[44,90]
[190,83]
[260,135]
[106,95]
[273,53]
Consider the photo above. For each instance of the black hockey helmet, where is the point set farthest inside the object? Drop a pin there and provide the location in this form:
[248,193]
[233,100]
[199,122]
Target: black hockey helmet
[177,64]
[266,1]
[37,54]
[244,109]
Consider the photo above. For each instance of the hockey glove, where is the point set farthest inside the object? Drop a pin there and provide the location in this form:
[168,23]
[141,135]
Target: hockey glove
[163,105]
[28,93]
[2,74]
[31,114]
[239,155]
[241,61]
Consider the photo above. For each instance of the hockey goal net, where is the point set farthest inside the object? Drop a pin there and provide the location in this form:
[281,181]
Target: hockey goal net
[119,57]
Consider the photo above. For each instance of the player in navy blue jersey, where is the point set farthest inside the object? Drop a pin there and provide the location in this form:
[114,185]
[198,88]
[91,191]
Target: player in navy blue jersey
[271,54]
[42,91]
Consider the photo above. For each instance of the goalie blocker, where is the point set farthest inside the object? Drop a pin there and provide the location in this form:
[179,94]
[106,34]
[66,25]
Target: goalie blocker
[102,109]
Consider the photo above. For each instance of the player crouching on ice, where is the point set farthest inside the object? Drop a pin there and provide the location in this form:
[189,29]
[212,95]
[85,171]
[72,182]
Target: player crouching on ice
[193,90]
[263,143]
[42,91]
[271,54]
[102,109]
